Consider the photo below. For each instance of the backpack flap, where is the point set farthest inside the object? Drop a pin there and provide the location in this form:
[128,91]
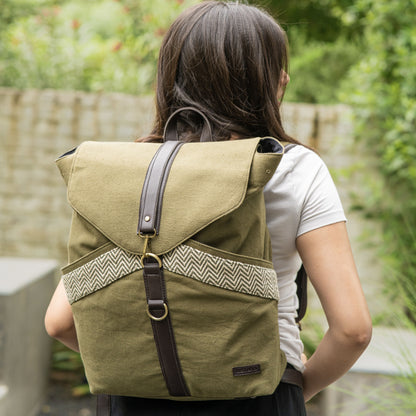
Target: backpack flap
[206,182]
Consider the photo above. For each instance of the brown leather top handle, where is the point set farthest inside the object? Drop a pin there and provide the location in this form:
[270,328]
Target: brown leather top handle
[171,132]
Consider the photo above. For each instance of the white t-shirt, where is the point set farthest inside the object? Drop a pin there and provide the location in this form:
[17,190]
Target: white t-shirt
[300,197]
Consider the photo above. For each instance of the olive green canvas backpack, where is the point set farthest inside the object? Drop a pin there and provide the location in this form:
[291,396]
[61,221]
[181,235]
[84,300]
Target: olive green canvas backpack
[170,277]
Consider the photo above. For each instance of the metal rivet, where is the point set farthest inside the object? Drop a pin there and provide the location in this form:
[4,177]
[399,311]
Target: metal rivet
[268,171]
[147,218]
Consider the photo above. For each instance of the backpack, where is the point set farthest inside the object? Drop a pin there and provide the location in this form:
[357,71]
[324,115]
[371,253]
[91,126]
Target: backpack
[169,272]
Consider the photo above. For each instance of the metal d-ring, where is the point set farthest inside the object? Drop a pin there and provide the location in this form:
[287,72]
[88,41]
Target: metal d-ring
[155,318]
[153,256]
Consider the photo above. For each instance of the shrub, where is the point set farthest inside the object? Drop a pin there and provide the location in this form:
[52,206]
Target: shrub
[383,95]
[325,41]
[317,69]
[100,45]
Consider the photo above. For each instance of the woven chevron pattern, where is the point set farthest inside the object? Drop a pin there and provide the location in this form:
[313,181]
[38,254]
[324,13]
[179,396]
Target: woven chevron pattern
[100,272]
[228,274]
[183,260]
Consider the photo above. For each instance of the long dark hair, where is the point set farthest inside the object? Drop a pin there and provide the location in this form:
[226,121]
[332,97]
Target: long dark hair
[226,59]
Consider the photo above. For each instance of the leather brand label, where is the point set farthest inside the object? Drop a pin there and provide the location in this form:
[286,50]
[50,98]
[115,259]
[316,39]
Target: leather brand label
[246,370]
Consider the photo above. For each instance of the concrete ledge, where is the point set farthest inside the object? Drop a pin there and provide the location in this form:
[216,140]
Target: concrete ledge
[391,353]
[26,286]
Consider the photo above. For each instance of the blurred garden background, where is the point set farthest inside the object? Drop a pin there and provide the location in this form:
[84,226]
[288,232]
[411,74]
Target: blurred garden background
[352,58]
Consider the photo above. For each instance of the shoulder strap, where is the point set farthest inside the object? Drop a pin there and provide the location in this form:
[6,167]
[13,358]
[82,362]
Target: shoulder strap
[289,146]
[302,293]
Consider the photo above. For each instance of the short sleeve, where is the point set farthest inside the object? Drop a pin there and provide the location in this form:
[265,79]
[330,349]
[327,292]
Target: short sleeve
[320,204]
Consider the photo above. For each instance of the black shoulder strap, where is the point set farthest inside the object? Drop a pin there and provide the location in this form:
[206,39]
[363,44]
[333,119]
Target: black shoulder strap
[302,293]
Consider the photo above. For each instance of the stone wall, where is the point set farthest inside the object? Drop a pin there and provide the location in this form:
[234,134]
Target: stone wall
[37,126]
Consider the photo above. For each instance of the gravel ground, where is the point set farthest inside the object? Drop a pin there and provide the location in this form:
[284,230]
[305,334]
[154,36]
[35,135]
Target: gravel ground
[60,402]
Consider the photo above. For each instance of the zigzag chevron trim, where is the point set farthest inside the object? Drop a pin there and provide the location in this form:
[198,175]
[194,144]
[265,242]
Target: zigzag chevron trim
[183,260]
[216,271]
[100,272]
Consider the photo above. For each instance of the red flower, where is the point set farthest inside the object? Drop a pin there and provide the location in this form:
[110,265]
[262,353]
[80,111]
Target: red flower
[117,47]
[75,24]
[160,32]
[147,18]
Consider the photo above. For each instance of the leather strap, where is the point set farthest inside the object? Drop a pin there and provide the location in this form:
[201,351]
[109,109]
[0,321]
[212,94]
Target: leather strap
[302,293]
[158,172]
[292,376]
[157,305]
[171,131]
[154,187]
[103,405]
[162,328]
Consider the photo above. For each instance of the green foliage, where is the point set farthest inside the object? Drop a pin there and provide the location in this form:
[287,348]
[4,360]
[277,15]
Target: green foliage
[100,45]
[396,396]
[112,45]
[317,68]
[325,41]
[14,9]
[400,399]
[383,95]
[68,363]
[311,334]
[319,20]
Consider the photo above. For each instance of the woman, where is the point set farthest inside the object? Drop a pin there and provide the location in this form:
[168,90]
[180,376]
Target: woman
[229,60]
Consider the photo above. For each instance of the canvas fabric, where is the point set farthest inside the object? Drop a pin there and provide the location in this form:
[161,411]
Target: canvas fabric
[216,254]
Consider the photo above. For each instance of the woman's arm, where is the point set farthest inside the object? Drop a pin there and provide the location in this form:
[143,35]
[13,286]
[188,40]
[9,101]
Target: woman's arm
[328,260]
[59,322]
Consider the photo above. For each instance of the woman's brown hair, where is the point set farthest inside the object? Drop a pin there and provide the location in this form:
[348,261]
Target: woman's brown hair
[226,59]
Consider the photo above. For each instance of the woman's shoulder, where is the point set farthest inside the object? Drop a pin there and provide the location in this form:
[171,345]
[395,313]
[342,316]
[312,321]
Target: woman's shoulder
[297,172]
[300,162]
[302,192]
[301,174]
[297,153]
